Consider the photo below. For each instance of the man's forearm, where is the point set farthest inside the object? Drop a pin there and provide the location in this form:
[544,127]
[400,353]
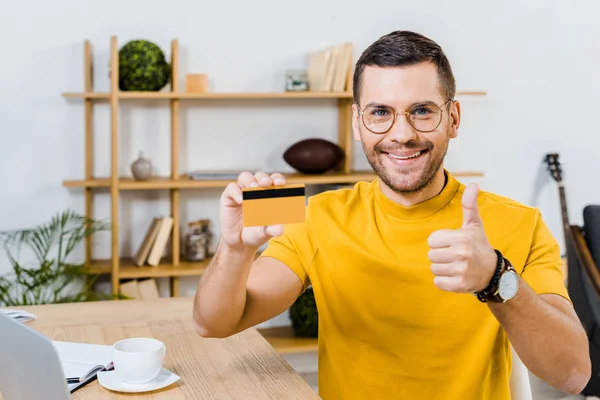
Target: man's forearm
[549,341]
[221,296]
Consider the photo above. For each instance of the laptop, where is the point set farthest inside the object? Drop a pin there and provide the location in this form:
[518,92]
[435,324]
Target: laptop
[29,365]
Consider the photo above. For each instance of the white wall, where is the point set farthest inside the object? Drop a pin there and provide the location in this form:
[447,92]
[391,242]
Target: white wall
[537,60]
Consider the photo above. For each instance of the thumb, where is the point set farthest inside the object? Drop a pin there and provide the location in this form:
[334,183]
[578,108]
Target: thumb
[469,204]
[274,230]
[259,235]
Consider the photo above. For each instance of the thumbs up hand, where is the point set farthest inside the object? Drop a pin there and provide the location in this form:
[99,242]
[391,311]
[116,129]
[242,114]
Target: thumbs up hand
[463,260]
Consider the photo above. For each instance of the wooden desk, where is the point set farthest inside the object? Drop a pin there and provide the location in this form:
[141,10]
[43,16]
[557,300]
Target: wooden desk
[244,366]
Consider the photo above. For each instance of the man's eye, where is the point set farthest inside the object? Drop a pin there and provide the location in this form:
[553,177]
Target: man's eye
[380,112]
[420,111]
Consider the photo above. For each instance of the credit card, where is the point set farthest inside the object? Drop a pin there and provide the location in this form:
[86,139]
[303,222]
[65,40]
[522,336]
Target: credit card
[274,205]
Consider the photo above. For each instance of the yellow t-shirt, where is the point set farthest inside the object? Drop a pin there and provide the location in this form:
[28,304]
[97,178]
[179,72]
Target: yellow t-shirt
[385,331]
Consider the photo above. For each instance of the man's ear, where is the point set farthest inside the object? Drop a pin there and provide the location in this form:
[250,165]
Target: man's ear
[355,122]
[454,116]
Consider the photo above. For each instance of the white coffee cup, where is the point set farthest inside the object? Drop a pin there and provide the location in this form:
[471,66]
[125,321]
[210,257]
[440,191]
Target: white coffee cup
[138,360]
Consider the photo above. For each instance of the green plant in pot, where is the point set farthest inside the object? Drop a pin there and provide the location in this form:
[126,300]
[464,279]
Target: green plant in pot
[304,315]
[142,67]
[50,277]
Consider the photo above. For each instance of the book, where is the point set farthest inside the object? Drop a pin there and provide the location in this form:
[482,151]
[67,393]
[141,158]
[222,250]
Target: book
[214,175]
[329,68]
[343,61]
[81,362]
[148,289]
[318,62]
[130,289]
[162,237]
[144,250]
[145,289]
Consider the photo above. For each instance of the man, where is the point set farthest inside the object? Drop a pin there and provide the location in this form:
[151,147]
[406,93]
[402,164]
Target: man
[405,269]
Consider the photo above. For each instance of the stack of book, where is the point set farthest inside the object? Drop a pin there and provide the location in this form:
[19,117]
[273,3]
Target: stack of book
[328,68]
[154,244]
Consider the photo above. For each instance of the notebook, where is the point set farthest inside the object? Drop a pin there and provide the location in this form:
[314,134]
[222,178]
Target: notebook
[82,361]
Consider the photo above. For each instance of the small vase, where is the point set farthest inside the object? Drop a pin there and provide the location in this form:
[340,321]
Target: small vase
[141,168]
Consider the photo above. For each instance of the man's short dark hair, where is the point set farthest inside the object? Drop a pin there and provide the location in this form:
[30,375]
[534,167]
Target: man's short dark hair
[401,49]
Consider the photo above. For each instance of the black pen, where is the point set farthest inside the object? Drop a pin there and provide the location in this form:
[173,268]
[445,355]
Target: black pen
[110,367]
[78,380]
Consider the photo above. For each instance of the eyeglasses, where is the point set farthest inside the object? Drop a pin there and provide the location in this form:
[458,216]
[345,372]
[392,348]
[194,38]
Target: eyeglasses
[424,117]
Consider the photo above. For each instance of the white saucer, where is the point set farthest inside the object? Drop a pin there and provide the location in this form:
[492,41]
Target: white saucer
[110,380]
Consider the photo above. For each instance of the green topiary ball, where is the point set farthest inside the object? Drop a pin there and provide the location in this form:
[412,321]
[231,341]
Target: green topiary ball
[304,315]
[142,67]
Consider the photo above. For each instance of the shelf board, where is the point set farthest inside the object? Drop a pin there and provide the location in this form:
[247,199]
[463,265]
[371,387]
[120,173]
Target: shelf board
[471,93]
[88,95]
[284,341]
[230,96]
[129,270]
[211,95]
[92,183]
[235,96]
[187,183]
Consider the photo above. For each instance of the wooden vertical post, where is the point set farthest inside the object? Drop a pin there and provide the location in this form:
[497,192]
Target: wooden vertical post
[114,154]
[345,133]
[345,138]
[89,153]
[175,240]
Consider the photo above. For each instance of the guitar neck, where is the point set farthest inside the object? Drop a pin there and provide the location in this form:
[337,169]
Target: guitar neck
[563,207]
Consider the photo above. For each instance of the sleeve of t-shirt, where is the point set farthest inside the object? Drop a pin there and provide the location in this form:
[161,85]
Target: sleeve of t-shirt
[543,268]
[294,249]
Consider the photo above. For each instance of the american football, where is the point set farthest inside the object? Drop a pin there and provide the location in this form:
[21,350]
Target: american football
[313,156]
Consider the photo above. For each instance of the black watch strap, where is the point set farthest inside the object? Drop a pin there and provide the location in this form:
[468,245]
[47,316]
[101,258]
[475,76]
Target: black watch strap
[489,293]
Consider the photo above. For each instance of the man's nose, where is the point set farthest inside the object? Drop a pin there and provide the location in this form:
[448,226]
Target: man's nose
[402,131]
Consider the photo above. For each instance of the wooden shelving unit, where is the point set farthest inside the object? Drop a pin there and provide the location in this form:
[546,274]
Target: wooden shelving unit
[119,267]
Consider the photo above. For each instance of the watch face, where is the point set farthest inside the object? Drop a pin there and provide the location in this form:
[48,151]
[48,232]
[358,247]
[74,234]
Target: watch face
[508,285]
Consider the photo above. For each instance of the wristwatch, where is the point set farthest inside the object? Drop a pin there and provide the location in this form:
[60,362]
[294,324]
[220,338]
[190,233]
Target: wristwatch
[504,283]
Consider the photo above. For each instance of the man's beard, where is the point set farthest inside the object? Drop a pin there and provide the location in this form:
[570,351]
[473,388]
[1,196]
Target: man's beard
[397,180]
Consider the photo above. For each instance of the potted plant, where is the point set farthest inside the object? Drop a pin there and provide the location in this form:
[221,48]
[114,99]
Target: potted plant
[50,277]
[304,315]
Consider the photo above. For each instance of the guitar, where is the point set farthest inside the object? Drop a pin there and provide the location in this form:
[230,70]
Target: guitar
[553,164]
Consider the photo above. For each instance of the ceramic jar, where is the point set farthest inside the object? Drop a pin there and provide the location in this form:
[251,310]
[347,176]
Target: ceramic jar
[197,241]
[141,168]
